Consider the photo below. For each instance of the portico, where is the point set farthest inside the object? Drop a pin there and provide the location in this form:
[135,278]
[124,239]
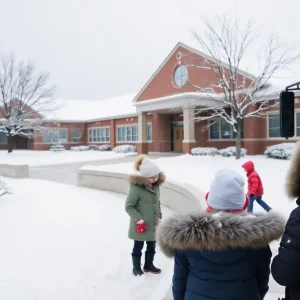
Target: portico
[184,104]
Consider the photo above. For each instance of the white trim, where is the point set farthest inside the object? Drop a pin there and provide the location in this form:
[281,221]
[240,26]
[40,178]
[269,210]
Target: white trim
[178,101]
[98,127]
[193,50]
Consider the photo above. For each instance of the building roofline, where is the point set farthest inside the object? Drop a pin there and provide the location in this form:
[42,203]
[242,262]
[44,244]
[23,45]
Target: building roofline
[193,50]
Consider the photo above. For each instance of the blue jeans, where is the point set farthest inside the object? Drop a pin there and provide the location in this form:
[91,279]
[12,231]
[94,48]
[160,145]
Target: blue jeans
[259,200]
[138,247]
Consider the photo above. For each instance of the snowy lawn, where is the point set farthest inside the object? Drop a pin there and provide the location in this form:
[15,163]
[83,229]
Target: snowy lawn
[63,242]
[199,171]
[42,158]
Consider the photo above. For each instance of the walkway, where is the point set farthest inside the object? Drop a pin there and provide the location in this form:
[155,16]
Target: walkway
[67,173]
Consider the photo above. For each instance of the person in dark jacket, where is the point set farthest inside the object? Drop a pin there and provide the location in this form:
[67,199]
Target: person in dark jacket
[286,265]
[221,254]
[255,187]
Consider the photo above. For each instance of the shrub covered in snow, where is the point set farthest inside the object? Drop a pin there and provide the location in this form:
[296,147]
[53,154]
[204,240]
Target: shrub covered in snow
[103,148]
[231,151]
[204,151]
[80,148]
[57,148]
[280,151]
[125,149]
[4,188]
[92,147]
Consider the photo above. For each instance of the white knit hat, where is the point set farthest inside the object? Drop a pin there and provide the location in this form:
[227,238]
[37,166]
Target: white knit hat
[148,168]
[227,191]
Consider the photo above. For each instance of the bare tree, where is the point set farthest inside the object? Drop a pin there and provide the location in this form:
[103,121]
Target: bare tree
[24,97]
[227,42]
[77,132]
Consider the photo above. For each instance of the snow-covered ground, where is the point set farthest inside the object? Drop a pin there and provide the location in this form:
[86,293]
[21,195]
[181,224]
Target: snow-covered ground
[42,158]
[199,171]
[63,242]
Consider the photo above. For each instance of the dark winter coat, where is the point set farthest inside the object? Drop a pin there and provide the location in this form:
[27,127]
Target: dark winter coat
[143,202]
[286,265]
[255,185]
[220,256]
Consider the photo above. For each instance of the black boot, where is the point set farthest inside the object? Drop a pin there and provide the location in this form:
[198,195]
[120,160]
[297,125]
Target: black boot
[149,267]
[136,262]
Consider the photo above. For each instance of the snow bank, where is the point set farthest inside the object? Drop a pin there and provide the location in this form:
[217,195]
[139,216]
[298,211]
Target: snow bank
[125,149]
[80,148]
[65,242]
[280,151]
[231,151]
[41,158]
[204,151]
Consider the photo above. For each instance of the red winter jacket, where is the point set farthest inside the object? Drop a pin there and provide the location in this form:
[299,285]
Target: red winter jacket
[255,185]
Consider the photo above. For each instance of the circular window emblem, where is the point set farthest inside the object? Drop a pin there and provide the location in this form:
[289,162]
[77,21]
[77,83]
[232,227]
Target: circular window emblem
[179,55]
[181,75]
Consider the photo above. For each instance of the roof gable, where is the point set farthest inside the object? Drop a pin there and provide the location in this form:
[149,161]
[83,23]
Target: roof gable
[161,83]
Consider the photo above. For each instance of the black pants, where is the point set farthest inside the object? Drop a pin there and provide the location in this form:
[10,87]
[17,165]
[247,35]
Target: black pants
[138,247]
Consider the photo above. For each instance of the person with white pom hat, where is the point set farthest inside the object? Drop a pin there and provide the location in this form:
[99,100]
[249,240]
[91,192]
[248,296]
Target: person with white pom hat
[143,207]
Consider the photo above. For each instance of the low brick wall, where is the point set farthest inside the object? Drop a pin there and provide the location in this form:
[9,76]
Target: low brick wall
[15,171]
[172,195]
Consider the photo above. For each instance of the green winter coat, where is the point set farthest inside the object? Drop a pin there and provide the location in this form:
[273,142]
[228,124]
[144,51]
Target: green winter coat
[143,203]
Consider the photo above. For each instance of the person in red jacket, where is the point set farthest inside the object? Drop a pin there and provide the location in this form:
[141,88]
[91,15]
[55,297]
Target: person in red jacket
[255,187]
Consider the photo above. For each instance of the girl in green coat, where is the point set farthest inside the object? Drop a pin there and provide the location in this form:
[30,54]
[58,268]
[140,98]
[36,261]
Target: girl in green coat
[143,207]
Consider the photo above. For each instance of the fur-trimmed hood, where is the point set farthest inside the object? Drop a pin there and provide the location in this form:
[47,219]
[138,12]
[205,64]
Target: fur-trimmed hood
[293,175]
[142,181]
[218,231]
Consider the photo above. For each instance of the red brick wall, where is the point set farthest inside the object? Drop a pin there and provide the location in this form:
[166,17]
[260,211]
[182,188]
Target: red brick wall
[163,84]
[161,133]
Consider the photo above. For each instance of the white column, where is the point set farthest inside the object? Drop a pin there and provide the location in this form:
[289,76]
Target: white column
[188,124]
[142,127]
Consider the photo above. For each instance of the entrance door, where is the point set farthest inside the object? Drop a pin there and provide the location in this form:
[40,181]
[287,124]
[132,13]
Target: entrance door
[178,138]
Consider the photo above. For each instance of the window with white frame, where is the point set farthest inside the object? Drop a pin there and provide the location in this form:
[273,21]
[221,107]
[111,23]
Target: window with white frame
[55,135]
[220,129]
[129,133]
[99,135]
[3,138]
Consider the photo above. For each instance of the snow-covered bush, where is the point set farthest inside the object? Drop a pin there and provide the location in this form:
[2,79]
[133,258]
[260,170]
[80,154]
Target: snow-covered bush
[125,149]
[204,151]
[57,148]
[231,151]
[80,148]
[92,147]
[280,151]
[4,188]
[103,148]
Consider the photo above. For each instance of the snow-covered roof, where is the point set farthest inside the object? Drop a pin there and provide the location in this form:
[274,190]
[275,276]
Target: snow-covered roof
[92,110]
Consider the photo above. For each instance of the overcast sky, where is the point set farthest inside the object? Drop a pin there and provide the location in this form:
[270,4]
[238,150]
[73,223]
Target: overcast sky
[96,49]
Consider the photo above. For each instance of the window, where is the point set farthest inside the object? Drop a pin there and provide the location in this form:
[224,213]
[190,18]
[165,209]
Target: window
[129,133]
[3,138]
[220,129]
[55,135]
[76,135]
[99,135]
[149,132]
[274,126]
[298,124]
[181,75]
